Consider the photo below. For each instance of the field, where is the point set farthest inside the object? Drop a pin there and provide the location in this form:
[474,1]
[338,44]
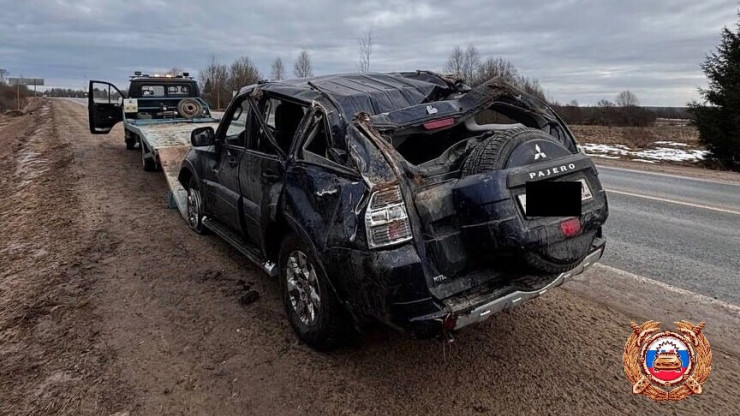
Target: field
[659,144]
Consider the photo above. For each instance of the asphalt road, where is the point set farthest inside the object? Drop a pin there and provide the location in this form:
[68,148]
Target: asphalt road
[677,230]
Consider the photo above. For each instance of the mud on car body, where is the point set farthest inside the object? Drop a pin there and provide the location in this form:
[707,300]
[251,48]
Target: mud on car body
[394,197]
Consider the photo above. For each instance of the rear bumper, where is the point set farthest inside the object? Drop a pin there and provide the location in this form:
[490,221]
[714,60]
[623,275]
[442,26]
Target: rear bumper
[392,289]
[464,316]
[458,312]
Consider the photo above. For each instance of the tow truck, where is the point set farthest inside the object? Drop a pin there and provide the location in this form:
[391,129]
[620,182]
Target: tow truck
[158,113]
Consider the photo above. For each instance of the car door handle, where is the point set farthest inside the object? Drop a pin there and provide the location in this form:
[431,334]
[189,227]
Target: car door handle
[270,175]
[233,161]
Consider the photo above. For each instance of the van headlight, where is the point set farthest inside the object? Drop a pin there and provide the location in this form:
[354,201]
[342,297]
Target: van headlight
[386,219]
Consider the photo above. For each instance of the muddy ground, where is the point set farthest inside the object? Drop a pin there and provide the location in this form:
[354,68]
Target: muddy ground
[109,304]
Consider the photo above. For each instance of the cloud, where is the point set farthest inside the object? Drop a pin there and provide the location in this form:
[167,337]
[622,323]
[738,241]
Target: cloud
[582,50]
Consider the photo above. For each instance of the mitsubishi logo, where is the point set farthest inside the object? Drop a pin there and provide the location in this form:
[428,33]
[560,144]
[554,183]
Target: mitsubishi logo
[540,153]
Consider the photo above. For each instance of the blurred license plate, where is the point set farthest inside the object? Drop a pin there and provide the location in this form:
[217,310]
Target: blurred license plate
[585,195]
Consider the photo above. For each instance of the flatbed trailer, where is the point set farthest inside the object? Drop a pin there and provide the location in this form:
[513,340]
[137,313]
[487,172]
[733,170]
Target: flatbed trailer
[167,142]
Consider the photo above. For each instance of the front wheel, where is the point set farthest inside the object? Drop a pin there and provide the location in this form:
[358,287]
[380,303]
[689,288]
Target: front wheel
[313,309]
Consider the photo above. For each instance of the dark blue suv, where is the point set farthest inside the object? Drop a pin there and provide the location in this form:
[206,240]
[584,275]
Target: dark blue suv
[399,198]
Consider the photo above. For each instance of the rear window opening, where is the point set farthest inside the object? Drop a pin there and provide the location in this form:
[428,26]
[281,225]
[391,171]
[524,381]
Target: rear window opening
[445,148]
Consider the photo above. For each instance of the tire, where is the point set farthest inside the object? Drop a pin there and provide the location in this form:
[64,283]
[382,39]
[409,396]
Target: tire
[190,108]
[147,163]
[502,151]
[130,141]
[312,307]
[494,152]
[195,207]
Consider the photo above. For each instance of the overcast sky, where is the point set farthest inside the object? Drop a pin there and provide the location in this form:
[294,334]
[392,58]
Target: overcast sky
[583,50]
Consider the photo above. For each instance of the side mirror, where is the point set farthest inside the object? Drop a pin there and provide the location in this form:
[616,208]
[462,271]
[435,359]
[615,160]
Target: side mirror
[203,136]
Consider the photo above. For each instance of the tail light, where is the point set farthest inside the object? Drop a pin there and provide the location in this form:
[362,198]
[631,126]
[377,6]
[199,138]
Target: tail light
[570,227]
[386,219]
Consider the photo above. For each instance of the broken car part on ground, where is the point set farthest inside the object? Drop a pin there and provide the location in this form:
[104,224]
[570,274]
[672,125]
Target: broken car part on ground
[392,197]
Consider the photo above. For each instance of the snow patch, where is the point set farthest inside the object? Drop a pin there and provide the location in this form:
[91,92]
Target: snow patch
[671,154]
[674,155]
[670,143]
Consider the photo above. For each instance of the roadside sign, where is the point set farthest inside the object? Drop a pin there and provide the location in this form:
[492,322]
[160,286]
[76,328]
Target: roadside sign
[26,81]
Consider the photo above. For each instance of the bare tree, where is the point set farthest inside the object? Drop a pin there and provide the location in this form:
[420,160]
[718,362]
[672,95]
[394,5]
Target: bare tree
[302,66]
[464,63]
[278,70]
[242,73]
[497,67]
[214,80]
[573,103]
[471,62]
[455,62]
[627,99]
[3,75]
[366,49]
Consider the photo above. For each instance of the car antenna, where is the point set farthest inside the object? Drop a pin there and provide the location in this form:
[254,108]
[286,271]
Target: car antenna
[328,97]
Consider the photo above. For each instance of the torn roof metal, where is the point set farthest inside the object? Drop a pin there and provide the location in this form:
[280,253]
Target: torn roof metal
[372,93]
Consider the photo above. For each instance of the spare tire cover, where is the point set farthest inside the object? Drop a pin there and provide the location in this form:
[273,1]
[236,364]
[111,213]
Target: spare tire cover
[521,147]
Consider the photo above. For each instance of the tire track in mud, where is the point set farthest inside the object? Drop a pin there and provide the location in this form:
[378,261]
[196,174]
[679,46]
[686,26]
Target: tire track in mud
[167,302]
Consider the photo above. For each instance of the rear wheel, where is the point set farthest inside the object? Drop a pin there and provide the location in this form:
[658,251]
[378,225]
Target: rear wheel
[131,140]
[148,162]
[313,309]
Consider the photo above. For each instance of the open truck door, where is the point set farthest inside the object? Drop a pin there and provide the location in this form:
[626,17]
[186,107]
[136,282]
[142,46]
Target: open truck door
[104,106]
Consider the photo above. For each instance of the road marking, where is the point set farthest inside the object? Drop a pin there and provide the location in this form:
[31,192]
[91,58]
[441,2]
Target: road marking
[670,288]
[670,175]
[673,201]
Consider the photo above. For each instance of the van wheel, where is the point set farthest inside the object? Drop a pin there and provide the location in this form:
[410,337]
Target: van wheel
[195,207]
[313,310]
[130,141]
[147,162]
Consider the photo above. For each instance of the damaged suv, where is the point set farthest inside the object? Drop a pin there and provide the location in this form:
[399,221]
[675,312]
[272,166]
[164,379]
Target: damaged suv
[399,198]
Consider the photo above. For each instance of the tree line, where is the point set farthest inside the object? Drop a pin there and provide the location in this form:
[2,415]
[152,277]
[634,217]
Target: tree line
[219,82]
[625,110]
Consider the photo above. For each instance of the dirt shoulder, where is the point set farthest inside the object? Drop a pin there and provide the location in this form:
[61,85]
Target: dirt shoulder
[51,357]
[127,310]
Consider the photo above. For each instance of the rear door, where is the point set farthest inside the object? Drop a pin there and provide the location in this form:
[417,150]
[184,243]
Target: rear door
[322,190]
[104,106]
